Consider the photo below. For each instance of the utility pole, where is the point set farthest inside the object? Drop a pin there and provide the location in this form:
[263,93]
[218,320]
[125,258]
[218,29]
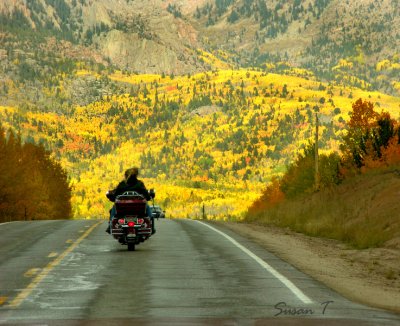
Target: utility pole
[316,154]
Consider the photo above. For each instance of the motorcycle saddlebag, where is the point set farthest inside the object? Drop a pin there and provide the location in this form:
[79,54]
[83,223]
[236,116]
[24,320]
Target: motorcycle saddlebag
[134,205]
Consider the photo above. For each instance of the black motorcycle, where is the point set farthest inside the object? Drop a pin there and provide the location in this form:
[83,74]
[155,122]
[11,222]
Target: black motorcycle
[131,225]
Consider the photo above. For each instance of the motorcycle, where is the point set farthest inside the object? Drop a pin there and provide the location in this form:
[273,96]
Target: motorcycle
[131,226]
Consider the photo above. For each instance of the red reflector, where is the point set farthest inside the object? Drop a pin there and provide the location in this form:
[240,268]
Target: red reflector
[131,224]
[121,221]
[140,220]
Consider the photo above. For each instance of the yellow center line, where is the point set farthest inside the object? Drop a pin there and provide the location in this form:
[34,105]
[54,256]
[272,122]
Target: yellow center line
[52,255]
[32,272]
[46,270]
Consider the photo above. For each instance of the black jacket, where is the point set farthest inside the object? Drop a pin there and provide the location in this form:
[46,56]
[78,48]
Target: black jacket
[132,184]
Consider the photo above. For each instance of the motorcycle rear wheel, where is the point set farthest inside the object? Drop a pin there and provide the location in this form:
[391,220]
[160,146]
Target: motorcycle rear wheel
[131,247]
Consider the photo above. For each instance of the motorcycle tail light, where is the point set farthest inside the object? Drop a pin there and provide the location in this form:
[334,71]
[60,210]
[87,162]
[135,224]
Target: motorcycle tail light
[121,221]
[131,224]
[140,220]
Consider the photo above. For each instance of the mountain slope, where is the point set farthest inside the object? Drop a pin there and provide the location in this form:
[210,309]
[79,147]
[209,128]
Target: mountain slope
[315,34]
[163,36]
[75,76]
[212,138]
[132,35]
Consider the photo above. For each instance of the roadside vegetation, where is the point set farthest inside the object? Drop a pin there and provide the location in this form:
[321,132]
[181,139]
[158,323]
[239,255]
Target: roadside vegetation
[33,186]
[357,199]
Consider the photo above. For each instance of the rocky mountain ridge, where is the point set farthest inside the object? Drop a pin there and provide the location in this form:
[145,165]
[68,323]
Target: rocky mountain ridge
[160,36]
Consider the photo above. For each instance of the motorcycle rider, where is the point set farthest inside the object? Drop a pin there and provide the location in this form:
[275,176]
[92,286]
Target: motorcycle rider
[130,183]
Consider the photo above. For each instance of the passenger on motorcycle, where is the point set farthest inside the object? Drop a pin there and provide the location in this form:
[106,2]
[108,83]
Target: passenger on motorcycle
[130,183]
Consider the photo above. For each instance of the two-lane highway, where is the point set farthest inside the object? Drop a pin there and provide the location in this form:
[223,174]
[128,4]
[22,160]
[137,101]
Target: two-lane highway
[190,272]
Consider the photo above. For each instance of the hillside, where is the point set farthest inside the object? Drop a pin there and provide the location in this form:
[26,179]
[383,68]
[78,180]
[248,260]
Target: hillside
[128,34]
[362,212]
[211,98]
[313,34]
[212,138]
[353,43]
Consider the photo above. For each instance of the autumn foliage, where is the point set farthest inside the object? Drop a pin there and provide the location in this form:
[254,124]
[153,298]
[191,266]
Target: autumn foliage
[372,141]
[220,135]
[271,196]
[32,185]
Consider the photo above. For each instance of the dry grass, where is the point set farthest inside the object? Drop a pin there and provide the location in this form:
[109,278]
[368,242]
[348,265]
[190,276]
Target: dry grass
[363,212]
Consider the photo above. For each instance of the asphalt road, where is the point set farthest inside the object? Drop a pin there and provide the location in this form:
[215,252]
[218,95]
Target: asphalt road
[188,273]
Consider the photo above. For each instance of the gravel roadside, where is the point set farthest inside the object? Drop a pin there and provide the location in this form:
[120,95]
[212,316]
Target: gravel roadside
[369,276]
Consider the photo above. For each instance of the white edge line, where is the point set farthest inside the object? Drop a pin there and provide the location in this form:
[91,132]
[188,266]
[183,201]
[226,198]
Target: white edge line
[295,290]
[4,223]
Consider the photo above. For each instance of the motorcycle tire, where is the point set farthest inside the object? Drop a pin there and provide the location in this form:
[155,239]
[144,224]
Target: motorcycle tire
[131,247]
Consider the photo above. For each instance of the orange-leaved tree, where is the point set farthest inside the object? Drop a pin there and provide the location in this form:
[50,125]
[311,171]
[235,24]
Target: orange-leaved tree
[271,196]
[362,120]
[372,138]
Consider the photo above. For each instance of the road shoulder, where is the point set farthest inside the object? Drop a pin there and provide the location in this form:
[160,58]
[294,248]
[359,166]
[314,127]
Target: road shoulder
[370,276]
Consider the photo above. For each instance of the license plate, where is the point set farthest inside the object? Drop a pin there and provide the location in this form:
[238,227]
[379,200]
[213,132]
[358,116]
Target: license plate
[131,218]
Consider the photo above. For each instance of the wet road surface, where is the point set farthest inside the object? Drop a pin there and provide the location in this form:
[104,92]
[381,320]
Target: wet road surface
[188,273]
